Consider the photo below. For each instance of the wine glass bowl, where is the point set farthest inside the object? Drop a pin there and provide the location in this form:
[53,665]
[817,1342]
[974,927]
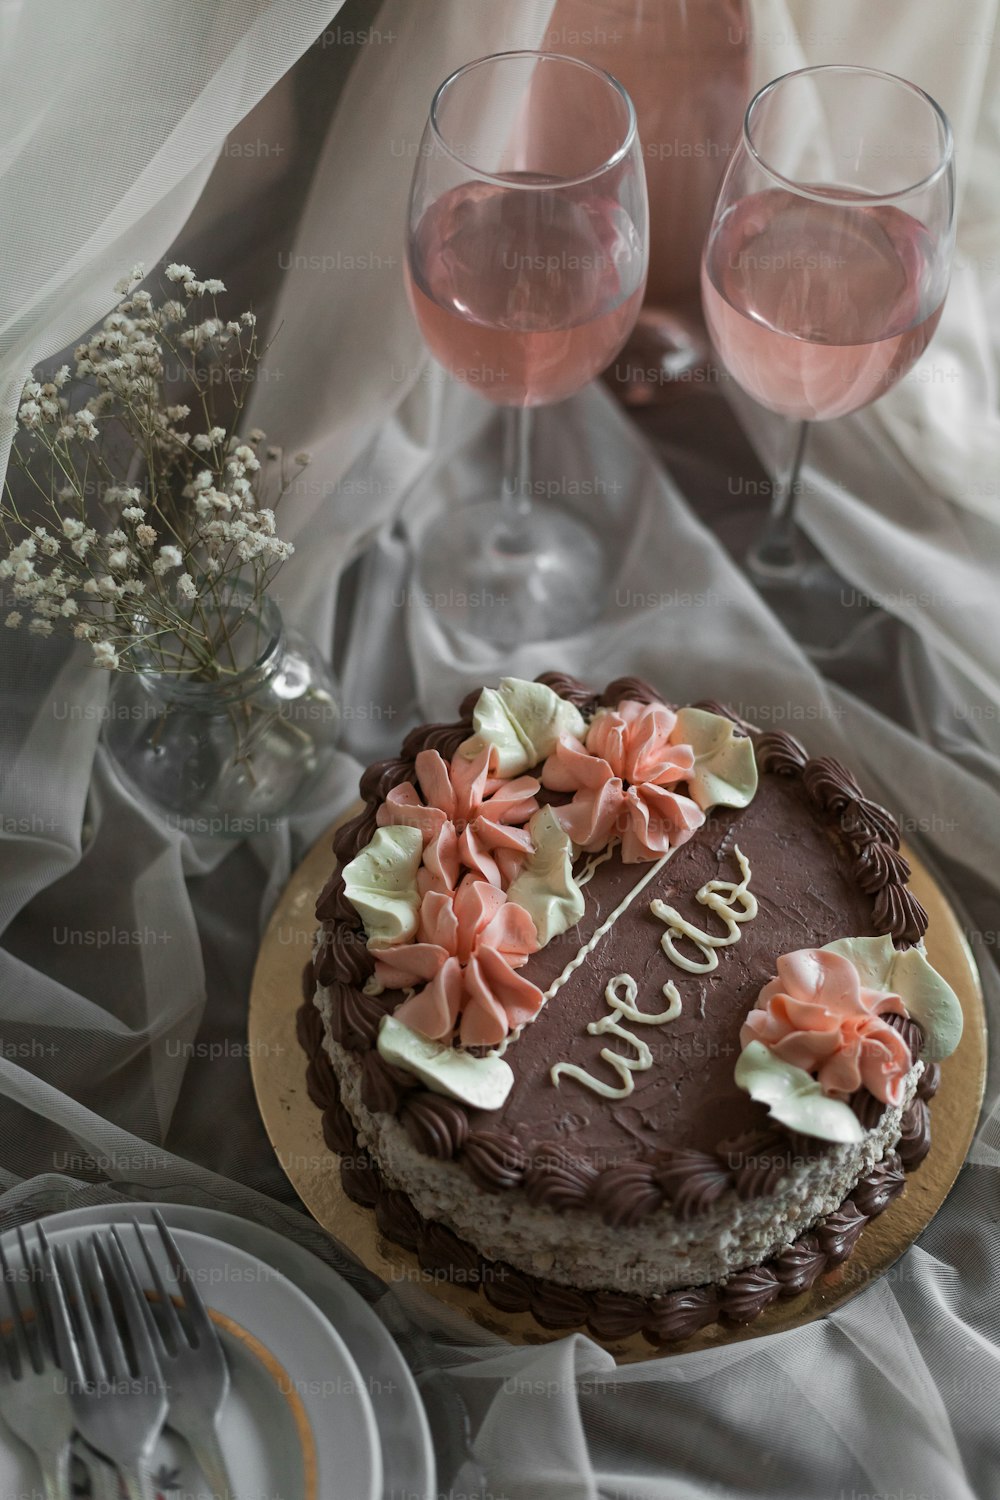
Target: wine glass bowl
[824,275]
[527,251]
[827,264]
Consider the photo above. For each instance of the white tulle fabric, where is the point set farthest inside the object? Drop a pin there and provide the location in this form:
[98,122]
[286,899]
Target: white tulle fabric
[128,946]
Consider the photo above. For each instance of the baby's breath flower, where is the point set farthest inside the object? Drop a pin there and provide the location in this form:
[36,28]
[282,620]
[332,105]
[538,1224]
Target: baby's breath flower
[125,285]
[211,518]
[86,426]
[14,619]
[170,557]
[106,656]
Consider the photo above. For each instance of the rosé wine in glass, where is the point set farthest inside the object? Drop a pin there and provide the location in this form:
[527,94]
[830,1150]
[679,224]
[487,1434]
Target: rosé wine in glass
[524,296]
[815,308]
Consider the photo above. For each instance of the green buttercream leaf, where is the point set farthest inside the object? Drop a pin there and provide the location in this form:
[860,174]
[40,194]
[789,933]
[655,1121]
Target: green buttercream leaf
[725,770]
[794,1098]
[522,722]
[381,884]
[545,886]
[928,998]
[482,1082]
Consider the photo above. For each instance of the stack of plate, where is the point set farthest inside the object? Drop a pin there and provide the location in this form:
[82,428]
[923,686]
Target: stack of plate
[322,1404]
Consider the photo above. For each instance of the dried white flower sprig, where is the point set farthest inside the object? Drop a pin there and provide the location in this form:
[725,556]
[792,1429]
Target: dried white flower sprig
[162,569]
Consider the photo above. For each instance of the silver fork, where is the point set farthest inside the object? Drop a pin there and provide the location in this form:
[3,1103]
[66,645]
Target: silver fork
[34,1406]
[193,1363]
[117,1411]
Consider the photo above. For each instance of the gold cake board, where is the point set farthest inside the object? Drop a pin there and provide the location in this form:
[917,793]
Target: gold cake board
[293,1124]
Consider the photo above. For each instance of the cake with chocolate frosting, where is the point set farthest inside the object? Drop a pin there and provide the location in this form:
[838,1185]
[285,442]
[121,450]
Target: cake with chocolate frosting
[619,1009]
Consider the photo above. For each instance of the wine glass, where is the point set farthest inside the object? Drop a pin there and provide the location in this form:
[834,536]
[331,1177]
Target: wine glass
[823,278]
[526,258]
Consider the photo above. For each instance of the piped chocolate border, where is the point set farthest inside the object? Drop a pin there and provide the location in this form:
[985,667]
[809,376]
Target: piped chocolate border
[609,1315]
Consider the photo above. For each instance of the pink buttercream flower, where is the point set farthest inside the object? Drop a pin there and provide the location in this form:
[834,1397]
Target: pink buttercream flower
[619,777]
[469,943]
[467,818]
[817,1015]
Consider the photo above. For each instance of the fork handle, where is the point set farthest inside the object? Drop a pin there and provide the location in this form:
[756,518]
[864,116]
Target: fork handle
[208,1455]
[138,1485]
[55,1473]
[103,1477]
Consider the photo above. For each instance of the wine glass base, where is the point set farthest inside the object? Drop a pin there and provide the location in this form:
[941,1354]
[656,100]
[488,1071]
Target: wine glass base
[552,583]
[822,612]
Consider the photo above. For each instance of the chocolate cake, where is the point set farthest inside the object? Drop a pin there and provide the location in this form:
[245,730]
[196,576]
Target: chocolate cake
[620,1011]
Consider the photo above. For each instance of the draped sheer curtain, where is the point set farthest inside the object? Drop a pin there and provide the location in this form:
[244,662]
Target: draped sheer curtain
[130,131]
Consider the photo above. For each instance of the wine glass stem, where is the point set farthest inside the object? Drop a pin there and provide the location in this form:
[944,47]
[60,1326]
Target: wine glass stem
[513,531]
[776,554]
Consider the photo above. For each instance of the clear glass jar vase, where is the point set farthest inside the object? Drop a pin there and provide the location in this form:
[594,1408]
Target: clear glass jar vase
[236,745]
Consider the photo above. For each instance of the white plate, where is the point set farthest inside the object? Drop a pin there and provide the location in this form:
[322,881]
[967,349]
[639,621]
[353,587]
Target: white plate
[297,1424]
[408,1466]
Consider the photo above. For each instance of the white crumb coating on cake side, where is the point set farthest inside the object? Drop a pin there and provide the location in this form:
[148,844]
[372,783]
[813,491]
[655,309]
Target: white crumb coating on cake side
[575,1247]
